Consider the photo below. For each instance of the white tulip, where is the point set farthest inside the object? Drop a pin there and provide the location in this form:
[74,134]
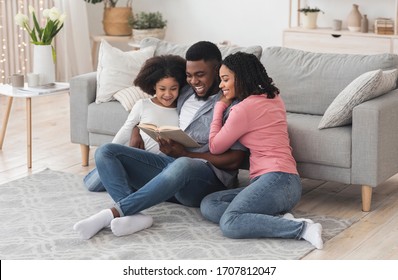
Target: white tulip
[31,9]
[20,19]
[62,18]
[54,14]
[46,13]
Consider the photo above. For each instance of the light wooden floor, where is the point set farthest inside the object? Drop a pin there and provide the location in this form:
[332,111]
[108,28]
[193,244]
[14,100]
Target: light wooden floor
[374,236]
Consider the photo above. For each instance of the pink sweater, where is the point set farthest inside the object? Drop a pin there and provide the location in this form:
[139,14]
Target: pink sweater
[259,124]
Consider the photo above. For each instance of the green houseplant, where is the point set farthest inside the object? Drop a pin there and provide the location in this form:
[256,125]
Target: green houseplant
[108,3]
[115,19]
[147,24]
[310,16]
[308,9]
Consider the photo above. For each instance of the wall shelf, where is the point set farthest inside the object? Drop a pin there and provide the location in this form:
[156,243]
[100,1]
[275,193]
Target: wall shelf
[343,41]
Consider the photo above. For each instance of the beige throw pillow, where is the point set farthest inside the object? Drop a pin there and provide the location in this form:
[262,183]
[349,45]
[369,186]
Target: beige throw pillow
[117,69]
[367,86]
[128,96]
[339,111]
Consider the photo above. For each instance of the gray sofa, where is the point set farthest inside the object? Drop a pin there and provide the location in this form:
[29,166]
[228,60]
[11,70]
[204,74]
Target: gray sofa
[363,153]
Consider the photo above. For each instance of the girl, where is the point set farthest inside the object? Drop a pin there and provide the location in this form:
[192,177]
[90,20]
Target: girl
[162,77]
[258,121]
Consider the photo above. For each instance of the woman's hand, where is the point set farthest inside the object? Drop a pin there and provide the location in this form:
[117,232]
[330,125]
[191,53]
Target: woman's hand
[226,100]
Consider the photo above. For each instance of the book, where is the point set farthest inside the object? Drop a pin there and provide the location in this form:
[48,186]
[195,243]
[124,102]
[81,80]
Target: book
[44,89]
[169,132]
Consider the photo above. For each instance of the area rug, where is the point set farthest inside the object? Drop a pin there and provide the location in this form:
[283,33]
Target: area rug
[37,214]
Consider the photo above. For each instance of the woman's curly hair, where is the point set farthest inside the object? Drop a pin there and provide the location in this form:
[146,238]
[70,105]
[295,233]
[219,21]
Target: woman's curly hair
[251,78]
[159,67]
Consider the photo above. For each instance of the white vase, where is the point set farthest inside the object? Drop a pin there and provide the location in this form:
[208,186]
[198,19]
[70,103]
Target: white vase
[309,20]
[354,19]
[43,63]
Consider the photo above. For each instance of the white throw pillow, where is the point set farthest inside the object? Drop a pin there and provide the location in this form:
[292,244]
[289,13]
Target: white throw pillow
[117,69]
[128,96]
[361,89]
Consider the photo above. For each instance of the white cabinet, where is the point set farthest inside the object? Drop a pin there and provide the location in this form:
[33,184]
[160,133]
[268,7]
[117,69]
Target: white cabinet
[324,40]
[344,41]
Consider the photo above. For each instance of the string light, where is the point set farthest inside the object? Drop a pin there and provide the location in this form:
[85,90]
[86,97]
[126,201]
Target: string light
[3,43]
[20,54]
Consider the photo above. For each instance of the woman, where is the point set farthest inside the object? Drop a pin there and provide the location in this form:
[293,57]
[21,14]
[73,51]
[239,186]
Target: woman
[258,121]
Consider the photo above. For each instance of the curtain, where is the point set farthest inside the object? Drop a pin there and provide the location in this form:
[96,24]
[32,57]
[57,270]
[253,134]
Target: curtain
[72,42]
[15,49]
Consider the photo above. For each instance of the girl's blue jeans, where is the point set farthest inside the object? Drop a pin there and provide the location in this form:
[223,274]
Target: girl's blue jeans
[254,211]
[137,179]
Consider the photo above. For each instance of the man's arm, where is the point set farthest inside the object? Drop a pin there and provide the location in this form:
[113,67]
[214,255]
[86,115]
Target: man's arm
[231,159]
[136,139]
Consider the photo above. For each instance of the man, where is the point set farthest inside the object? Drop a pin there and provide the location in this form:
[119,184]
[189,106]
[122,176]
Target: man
[137,179]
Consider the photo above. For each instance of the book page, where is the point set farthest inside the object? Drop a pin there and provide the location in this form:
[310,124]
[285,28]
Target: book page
[169,132]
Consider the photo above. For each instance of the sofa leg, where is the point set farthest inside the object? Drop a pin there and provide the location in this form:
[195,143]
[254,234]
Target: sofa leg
[366,198]
[85,150]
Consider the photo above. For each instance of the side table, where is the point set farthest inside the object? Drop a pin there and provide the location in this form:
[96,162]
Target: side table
[28,94]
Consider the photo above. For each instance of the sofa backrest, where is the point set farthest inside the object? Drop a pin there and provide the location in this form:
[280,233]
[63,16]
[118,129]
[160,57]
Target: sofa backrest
[164,47]
[309,82]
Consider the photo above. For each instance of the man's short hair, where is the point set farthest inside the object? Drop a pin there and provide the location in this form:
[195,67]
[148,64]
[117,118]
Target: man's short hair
[203,50]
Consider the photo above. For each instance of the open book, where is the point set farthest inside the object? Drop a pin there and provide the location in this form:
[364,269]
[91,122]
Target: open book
[169,132]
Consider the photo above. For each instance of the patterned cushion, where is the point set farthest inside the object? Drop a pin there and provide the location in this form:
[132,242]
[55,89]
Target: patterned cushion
[339,111]
[128,96]
[388,82]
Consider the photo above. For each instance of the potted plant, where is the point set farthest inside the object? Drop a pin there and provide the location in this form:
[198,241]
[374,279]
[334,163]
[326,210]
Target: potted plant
[310,16]
[147,24]
[115,20]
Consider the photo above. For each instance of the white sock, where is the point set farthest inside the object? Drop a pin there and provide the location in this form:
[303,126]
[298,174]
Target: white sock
[87,228]
[313,234]
[290,216]
[130,224]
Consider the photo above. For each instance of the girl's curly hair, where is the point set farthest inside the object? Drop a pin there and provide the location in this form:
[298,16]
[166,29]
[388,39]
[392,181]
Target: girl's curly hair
[159,67]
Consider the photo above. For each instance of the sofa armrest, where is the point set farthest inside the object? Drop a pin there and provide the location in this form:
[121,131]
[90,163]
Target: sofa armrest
[82,93]
[375,140]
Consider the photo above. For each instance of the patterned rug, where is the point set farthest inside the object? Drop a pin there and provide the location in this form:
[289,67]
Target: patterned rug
[37,214]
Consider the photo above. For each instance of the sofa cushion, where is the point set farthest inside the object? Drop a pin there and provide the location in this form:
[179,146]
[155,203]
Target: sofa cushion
[339,111]
[164,47]
[128,96]
[106,118]
[310,145]
[117,69]
[309,82]
[367,86]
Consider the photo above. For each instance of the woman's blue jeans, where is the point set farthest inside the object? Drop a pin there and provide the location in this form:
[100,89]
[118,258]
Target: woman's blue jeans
[253,211]
[137,179]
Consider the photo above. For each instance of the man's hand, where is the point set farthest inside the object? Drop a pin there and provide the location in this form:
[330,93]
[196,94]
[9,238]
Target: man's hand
[136,139]
[171,148]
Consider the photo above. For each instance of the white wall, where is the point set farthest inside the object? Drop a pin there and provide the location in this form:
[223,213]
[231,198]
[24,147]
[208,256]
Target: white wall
[243,22]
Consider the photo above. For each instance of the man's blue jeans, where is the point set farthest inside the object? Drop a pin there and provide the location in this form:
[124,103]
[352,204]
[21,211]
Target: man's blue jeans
[137,179]
[253,211]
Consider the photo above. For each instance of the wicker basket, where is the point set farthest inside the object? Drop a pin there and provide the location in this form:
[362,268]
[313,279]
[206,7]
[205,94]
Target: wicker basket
[116,21]
[139,34]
